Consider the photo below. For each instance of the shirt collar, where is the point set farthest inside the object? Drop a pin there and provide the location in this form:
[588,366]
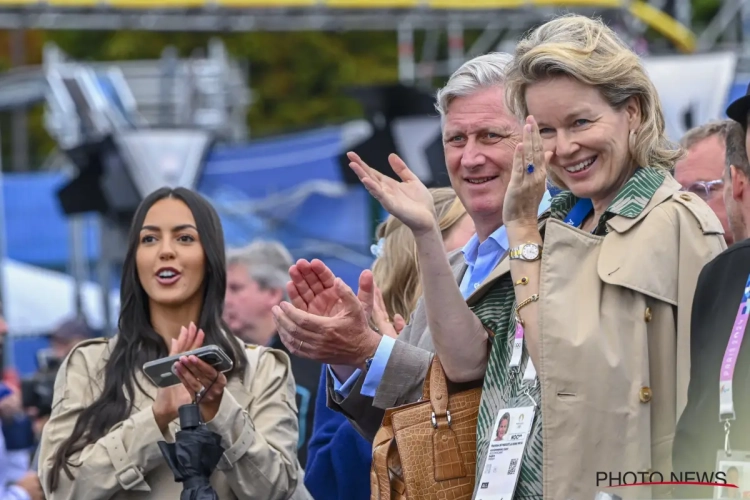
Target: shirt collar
[499,238]
[629,202]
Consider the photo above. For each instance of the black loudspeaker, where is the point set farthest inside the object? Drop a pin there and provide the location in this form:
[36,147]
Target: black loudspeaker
[404,121]
[102,185]
[117,172]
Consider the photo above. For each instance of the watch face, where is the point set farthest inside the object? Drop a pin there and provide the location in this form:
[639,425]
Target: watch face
[530,252]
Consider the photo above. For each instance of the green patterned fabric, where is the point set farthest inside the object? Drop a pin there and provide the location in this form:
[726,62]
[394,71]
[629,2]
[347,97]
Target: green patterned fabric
[503,386]
[629,202]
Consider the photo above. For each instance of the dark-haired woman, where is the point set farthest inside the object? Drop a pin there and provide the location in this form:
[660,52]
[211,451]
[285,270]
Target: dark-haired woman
[108,418]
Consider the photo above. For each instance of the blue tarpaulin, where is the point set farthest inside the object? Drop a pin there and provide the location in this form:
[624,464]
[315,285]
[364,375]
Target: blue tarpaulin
[292,189]
[288,188]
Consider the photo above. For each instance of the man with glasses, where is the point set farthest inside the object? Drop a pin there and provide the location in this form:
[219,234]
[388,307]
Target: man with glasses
[702,169]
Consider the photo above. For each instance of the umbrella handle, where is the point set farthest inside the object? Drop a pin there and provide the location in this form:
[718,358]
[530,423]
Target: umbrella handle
[190,416]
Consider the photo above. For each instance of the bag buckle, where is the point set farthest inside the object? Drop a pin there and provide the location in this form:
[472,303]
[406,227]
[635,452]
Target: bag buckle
[433,418]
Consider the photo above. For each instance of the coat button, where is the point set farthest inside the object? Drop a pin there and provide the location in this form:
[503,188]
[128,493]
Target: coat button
[647,315]
[685,197]
[645,394]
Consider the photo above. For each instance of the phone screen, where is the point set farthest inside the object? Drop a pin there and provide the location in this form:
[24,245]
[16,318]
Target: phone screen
[211,358]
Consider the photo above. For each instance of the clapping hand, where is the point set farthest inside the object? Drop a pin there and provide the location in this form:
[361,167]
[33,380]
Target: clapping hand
[528,180]
[205,382]
[169,399]
[409,200]
[312,290]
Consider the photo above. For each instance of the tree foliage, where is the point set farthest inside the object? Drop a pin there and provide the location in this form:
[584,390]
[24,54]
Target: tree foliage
[298,79]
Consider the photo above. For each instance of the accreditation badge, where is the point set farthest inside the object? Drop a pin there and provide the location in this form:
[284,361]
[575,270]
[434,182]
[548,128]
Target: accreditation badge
[508,442]
[736,468]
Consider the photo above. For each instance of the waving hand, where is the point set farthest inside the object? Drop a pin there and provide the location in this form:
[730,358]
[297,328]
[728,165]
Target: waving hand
[408,200]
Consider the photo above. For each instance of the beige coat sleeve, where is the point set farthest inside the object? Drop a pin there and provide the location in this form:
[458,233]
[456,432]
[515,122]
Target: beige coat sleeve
[117,461]
[260,460]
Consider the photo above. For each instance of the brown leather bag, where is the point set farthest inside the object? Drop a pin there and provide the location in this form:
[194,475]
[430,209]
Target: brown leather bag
[428,449]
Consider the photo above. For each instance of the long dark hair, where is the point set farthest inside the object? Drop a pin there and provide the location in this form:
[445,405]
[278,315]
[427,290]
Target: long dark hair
[137,342]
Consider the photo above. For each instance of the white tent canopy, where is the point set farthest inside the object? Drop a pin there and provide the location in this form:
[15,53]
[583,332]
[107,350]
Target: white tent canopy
[37,300]
[695,86]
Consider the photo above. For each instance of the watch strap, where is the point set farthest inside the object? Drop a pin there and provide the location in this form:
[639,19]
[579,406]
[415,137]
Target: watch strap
[516,253]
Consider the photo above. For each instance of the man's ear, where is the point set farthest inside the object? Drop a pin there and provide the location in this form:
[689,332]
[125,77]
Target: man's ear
[739,183]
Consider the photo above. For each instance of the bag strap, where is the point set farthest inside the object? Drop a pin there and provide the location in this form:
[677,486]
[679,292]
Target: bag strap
[436,388]
[380,483]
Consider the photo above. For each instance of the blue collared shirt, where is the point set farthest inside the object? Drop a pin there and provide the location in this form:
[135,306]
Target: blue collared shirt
[481,259]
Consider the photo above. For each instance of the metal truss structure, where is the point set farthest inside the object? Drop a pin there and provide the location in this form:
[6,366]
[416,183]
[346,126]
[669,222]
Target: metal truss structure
[500,16]
[442,21]
[269,19]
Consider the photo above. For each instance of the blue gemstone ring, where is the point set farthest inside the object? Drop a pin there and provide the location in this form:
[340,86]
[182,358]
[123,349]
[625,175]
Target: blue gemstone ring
[530,168]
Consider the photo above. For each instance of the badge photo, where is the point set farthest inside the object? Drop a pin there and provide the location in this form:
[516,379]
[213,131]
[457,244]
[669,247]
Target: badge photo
[736,468]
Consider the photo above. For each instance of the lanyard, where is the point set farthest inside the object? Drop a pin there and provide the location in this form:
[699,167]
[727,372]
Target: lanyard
[579,212]
[529,374]
[726,401]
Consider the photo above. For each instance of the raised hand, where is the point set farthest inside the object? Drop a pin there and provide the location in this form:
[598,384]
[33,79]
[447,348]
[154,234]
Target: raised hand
[409,200]
[169,399]
[526,189]
[344,338]
[311,288]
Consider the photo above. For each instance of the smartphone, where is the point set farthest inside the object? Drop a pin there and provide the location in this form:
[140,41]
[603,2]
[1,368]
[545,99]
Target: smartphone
[161,371]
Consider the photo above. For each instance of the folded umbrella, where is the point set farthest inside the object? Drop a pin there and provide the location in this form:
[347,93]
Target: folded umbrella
[193,456]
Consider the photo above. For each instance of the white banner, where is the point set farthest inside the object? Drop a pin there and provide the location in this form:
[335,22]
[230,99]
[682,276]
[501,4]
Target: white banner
[693,89]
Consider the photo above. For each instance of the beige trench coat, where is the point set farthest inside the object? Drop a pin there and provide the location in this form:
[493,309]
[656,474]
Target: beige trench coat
[257,420]
[614,319]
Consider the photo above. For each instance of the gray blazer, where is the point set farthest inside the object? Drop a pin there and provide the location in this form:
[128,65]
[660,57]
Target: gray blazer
[404,374]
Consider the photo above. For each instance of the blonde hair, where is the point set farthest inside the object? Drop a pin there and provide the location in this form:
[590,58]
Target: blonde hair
[396,270]
[590,52]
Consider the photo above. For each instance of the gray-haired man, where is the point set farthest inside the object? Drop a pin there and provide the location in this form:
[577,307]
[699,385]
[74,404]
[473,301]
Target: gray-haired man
[370,373]
[701,170]
[256,281]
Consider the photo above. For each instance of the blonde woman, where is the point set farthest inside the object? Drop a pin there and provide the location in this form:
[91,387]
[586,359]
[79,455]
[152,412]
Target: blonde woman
[604,281]
[611,270]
